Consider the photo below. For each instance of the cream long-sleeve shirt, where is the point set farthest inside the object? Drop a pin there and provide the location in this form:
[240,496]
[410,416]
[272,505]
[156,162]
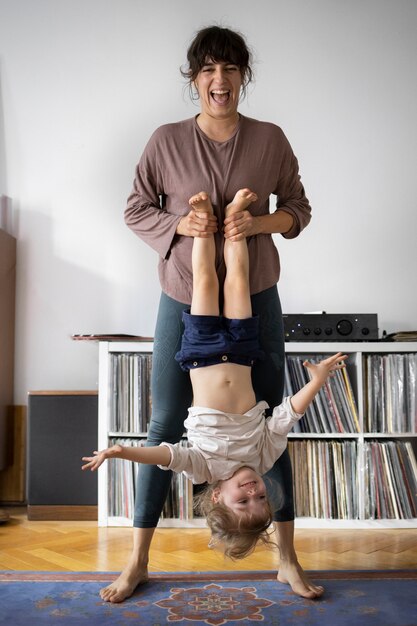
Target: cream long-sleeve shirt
[180,161]
[221,443]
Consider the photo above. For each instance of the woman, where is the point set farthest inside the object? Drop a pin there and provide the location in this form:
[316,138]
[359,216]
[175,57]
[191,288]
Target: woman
[220,151]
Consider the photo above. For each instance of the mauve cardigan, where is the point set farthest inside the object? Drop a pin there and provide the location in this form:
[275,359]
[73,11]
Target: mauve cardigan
[180,161]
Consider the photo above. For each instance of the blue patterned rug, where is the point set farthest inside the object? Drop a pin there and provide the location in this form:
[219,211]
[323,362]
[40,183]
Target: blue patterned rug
[361,598]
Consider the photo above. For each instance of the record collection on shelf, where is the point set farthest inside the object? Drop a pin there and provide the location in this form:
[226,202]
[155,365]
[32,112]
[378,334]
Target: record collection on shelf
[131,402]
[122,487]
[326,484]
[334,408]
[353,453]
[391,398]
[392,492]
[325,475]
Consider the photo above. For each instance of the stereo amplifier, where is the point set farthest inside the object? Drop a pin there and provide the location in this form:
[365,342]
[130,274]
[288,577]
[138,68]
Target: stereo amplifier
[331,327]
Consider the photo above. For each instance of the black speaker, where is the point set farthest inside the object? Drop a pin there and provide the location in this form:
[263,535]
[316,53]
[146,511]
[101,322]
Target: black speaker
[331,327]
[62,427]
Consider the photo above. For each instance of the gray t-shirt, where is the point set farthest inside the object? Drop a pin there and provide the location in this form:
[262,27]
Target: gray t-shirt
[180,161]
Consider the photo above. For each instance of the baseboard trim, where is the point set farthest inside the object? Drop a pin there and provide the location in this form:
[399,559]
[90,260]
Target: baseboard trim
[62,512]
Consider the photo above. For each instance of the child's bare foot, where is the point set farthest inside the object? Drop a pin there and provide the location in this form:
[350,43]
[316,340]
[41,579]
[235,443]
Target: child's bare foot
[201,202]
[243,198]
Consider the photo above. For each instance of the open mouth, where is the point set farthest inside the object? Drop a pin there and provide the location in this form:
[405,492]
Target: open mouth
[220,96]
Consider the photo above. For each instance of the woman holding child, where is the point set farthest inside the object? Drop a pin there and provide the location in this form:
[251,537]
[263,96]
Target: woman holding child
[219,151]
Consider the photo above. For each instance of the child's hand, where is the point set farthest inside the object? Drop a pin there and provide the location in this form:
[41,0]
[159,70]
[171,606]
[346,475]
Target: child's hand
[320,372]
[94,462]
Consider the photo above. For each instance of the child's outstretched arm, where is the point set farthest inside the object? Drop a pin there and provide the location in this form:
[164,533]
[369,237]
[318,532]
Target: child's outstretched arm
[151,455]
[319,373]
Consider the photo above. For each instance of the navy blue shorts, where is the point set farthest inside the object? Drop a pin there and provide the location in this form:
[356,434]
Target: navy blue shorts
[212,339]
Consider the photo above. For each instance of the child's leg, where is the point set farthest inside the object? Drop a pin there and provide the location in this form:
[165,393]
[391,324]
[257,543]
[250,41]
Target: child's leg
[205,298]
[237,304]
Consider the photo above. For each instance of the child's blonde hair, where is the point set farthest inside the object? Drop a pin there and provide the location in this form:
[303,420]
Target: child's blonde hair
[238,535]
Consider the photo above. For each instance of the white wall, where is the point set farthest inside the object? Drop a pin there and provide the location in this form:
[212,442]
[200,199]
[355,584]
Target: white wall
[83,83]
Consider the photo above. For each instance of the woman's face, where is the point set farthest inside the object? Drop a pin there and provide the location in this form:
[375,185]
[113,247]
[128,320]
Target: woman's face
[218,85]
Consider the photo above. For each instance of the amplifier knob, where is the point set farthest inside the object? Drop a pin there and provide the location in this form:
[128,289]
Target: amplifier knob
[344,327]
[365,331]
[328,330]
[317,331]
[306,331]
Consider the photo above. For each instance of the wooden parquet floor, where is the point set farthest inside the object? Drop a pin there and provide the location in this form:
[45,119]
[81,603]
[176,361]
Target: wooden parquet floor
[82,546]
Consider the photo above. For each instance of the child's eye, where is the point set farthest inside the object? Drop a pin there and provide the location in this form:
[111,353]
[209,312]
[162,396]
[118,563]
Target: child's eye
[242,501]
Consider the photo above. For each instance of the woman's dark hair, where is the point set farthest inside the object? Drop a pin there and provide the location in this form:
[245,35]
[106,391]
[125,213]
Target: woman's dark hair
[220,45]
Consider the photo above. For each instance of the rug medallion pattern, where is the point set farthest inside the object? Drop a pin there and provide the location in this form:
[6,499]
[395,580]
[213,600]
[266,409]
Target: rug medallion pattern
[211,603]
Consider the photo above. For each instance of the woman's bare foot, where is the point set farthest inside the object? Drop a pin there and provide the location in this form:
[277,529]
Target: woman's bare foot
[243,198]
[201,202]
[293,574]
[125,584]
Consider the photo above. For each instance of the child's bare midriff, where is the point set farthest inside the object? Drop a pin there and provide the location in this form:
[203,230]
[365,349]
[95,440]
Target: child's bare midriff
[226,387]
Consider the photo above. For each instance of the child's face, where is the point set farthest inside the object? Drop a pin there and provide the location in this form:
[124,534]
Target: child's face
[244,492]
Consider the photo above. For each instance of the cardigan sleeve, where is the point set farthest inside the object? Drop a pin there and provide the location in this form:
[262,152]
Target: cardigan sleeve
[145,214]
[290,192]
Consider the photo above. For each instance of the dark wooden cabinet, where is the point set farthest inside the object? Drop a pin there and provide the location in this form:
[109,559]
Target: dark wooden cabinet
[7,334]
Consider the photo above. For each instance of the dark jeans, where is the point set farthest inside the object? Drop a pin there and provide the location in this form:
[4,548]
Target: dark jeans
[172,395]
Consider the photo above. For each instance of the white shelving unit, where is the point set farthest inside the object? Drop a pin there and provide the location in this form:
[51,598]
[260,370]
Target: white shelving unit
[106,349]
[356,352]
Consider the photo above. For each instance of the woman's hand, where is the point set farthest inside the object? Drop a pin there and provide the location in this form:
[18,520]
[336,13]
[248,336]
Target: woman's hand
[240,225]
[197,224]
